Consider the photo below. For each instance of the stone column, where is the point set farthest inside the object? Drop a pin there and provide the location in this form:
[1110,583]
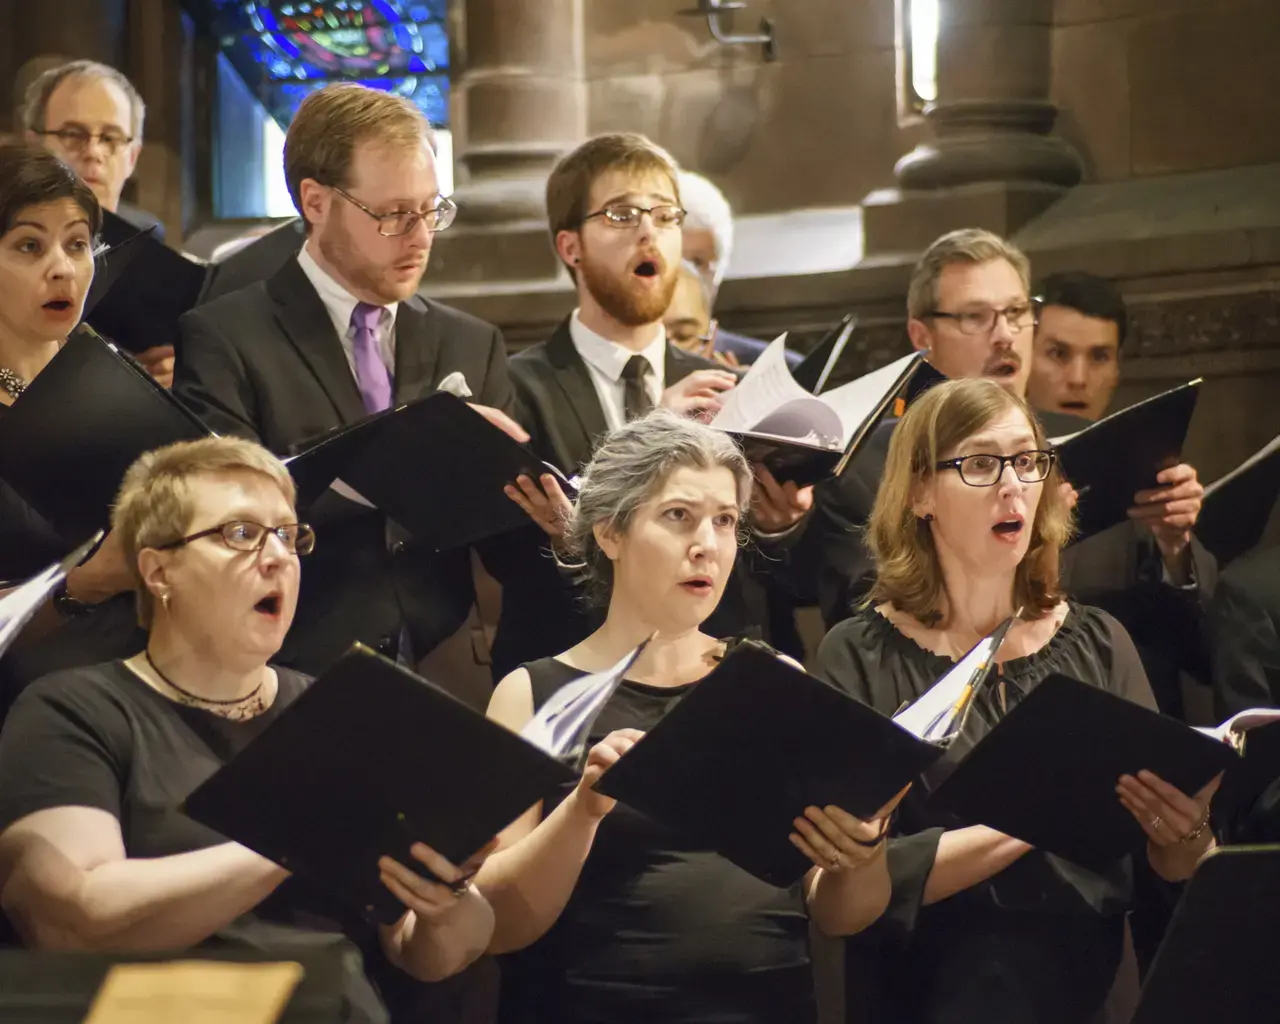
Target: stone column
[992,161]
[519,103]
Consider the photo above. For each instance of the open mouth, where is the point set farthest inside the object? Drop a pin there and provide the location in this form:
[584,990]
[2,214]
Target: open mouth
[1008,529]
[58,306]
[646,268]
[1006,369]
[1074,405]
[269,606]
[699,585]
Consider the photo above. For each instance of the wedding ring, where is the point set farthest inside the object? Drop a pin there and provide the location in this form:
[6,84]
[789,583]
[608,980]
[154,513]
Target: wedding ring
[1156,822]
[837,861]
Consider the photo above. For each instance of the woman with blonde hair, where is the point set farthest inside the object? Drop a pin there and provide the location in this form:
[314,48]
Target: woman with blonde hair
[95,761]
[966,531]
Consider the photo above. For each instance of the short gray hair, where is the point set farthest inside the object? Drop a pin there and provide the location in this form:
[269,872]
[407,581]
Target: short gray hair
[35,105]
[968,245]
[708,210]
[629,466]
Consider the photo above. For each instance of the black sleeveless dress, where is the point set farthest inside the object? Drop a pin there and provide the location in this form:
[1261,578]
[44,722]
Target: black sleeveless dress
[1039,942]
[659,929]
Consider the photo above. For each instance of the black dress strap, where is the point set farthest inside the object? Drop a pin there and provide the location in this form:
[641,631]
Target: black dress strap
[546,676]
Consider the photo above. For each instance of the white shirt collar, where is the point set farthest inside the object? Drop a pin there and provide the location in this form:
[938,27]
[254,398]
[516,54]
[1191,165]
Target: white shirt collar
[610,358]
[337,300]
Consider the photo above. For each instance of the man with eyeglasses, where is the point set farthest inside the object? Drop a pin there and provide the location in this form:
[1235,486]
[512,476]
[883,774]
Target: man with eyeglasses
[90,116]
[614,211]
[970,310]
[338,334]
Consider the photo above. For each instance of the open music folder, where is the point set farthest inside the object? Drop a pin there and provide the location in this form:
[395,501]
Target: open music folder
[1047,772]
[1238,505]
[19,602]
[802,437]
[435,466]
[750,747]
[369,760]
[66,443]
[1111,460]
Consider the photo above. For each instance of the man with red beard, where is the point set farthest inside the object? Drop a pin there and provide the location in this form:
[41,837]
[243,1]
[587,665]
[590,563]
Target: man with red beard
[613,206]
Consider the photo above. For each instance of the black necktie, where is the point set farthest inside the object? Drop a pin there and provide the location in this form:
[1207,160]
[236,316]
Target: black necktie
[636,400]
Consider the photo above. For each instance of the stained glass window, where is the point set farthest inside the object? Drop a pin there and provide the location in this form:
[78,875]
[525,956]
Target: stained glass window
[284,49]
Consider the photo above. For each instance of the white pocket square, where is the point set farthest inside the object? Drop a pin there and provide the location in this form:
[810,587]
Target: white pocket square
[456,385]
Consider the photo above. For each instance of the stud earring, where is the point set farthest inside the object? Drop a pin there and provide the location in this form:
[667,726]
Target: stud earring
[164,600]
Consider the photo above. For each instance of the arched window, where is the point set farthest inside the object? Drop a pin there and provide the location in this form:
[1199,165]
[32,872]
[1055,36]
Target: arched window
[920,20]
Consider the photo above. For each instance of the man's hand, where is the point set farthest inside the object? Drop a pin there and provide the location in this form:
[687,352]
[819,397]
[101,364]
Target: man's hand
[158,362]
[1170,512]
[502,421]
[698,394]
[777,507]
[546,505]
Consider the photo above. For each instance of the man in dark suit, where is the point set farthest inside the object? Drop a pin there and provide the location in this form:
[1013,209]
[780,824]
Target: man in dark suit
[615,217]
[337,334]
[1245,618]
[969,308]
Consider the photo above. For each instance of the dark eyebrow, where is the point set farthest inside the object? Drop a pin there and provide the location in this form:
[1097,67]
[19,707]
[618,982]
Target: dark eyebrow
[622,198]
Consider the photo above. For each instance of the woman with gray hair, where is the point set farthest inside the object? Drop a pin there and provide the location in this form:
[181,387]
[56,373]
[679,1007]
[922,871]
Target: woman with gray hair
[618,918]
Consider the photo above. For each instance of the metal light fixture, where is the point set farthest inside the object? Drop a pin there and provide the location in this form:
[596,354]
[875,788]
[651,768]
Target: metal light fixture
[712,11]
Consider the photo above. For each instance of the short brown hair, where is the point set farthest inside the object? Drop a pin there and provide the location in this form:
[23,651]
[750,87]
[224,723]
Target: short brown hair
[571,180]
[31,175]
[330,124]
[35,106]
[155,503]
[968,245]
[908,572]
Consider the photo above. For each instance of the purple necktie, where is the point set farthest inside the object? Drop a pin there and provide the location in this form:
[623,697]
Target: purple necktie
[372,377]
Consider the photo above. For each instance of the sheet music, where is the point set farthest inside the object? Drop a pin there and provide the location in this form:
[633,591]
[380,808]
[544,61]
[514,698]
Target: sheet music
[1244,467]
[20,604]
[1240,723]
[858,399]
[933,712]
[350,493]
[766,386]
[562,724]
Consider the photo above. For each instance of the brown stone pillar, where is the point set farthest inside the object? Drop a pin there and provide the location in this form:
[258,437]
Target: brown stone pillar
[992,160]
[519,103]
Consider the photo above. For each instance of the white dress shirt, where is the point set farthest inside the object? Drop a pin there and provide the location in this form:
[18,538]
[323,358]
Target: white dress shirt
[606,360]
[340,304]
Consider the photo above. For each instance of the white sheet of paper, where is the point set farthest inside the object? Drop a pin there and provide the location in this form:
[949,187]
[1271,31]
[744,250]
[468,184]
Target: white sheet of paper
[858,399]
[21,603]
[350,493]
[930,717]
[562,723]
[1241,722]
[766,386]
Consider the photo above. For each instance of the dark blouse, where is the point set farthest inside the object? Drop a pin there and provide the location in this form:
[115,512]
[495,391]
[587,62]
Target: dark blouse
[659,928]
[1040,941]
[101,737]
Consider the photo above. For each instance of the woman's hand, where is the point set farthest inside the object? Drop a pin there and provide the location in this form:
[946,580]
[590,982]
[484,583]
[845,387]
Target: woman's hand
[546,505]
[836,841]
[102,576]
[1176,825]
[601,758]
[428,900]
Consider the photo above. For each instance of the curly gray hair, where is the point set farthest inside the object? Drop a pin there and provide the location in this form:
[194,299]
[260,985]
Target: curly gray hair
[627,468]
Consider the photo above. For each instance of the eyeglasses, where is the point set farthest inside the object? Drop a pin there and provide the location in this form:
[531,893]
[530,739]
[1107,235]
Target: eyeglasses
[620,215]
[1030,467]
[401,222]
[243,535]
[983,321]
[77,140]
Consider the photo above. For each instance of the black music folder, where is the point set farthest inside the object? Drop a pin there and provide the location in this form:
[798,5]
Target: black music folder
[435,466]
[66,443]
[139,306]
[750,747]
[804,438]
[1047,773]
[814,371]
[369,760]
[1110,461]
[1238,506]
[1217,960]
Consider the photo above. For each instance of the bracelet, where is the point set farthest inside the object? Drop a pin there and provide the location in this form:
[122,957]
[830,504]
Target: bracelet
[1198,831]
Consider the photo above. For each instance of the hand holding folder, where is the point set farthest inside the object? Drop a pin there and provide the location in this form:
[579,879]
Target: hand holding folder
[19,604]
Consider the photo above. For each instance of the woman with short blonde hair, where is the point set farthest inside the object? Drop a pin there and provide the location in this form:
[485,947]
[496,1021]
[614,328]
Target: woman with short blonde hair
[966,531]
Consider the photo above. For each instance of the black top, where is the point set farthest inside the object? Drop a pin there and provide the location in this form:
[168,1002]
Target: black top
[658,928]
[1039,942]
[101,737]
[28,544]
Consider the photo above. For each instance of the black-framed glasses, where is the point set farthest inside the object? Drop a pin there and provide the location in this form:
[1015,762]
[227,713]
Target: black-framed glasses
[77,140]
[1019,317]
[246,535]
[401,222]
[1031,467]
[623,215]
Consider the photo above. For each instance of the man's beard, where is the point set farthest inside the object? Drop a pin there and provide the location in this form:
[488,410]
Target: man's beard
[628,304]
[342,252]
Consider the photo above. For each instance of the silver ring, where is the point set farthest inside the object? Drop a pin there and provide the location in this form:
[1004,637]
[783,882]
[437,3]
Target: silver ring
[1156,822]
[837,861]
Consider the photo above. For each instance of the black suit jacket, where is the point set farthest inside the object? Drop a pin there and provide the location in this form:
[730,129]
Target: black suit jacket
[1119,570]
[265,363]
[1245,623]
[559,406]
